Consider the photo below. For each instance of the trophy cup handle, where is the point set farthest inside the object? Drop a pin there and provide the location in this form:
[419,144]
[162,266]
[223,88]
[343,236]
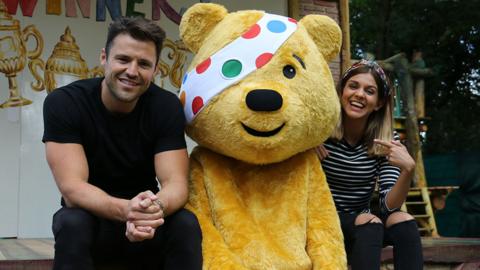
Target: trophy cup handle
[39,84]
[30,30]
[177,55]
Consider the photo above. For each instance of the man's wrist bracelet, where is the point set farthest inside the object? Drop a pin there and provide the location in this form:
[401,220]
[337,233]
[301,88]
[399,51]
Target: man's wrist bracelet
[160,204]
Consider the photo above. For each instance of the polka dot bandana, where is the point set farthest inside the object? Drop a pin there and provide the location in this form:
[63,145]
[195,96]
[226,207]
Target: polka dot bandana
[249,52]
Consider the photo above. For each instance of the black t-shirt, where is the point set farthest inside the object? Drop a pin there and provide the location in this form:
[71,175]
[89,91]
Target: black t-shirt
[119,149]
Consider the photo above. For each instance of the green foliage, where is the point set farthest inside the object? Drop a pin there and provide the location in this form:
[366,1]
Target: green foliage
[448,34]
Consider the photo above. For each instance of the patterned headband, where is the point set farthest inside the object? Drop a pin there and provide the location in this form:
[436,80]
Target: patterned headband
[375,67]
[249,52]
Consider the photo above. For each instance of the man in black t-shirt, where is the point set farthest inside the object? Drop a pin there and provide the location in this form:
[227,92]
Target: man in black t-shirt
[107,142]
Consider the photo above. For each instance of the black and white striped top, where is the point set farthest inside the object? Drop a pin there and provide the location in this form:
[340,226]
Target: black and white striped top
[352,174]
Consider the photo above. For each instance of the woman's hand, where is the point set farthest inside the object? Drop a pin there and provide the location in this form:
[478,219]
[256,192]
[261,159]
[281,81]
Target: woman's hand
[397,155]
[321,151]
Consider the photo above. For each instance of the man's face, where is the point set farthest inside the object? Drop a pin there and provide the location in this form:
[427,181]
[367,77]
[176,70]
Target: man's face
[129,69]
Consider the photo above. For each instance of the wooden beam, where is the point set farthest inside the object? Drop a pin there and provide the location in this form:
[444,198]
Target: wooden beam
[421,72]
[345,26]
[294,9]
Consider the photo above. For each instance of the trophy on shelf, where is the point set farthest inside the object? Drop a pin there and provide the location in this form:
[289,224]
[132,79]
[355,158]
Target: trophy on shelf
[13,54]
[65,65]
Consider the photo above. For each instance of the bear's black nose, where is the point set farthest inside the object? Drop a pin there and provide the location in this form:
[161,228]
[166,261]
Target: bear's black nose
[264,100]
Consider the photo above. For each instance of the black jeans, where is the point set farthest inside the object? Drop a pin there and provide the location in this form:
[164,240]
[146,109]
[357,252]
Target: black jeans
[364,243]
[84,241]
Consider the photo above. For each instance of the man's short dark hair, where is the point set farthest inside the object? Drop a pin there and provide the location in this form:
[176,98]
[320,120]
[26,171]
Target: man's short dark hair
[138,28]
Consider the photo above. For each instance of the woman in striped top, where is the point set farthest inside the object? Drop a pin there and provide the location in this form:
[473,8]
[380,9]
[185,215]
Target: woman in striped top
[361,155]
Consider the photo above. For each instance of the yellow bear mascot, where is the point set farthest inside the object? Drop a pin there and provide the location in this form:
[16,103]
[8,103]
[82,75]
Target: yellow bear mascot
[257,97]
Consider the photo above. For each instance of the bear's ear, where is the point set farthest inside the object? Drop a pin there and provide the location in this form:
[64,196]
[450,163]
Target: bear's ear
[325,32]
[198,21]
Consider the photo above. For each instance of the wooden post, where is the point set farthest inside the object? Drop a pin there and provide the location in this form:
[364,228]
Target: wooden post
[418,70]
[345,25]
[294,9]
[420,97]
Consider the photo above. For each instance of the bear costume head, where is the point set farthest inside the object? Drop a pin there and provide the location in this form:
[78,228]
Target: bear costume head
[284,107]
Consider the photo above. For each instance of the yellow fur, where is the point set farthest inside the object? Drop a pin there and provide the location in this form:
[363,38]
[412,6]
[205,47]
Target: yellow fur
[263,202]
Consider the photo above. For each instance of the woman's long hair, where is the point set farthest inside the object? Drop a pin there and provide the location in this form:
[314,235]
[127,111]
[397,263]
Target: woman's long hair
[379,123]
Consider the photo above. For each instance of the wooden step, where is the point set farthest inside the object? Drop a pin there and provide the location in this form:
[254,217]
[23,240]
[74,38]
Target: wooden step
[415,203]
[421,216]
[413,193]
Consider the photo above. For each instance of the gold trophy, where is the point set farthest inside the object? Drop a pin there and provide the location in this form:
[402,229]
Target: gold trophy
[13,53]
[65,65]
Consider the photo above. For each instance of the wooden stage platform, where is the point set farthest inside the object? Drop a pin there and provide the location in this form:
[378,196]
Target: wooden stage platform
[26,254]
[439,253]
[444,253]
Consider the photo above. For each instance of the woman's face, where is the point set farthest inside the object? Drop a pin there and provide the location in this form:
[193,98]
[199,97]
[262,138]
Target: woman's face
[360,97]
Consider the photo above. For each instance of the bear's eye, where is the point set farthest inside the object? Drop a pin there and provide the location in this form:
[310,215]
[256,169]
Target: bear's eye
[289,71]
